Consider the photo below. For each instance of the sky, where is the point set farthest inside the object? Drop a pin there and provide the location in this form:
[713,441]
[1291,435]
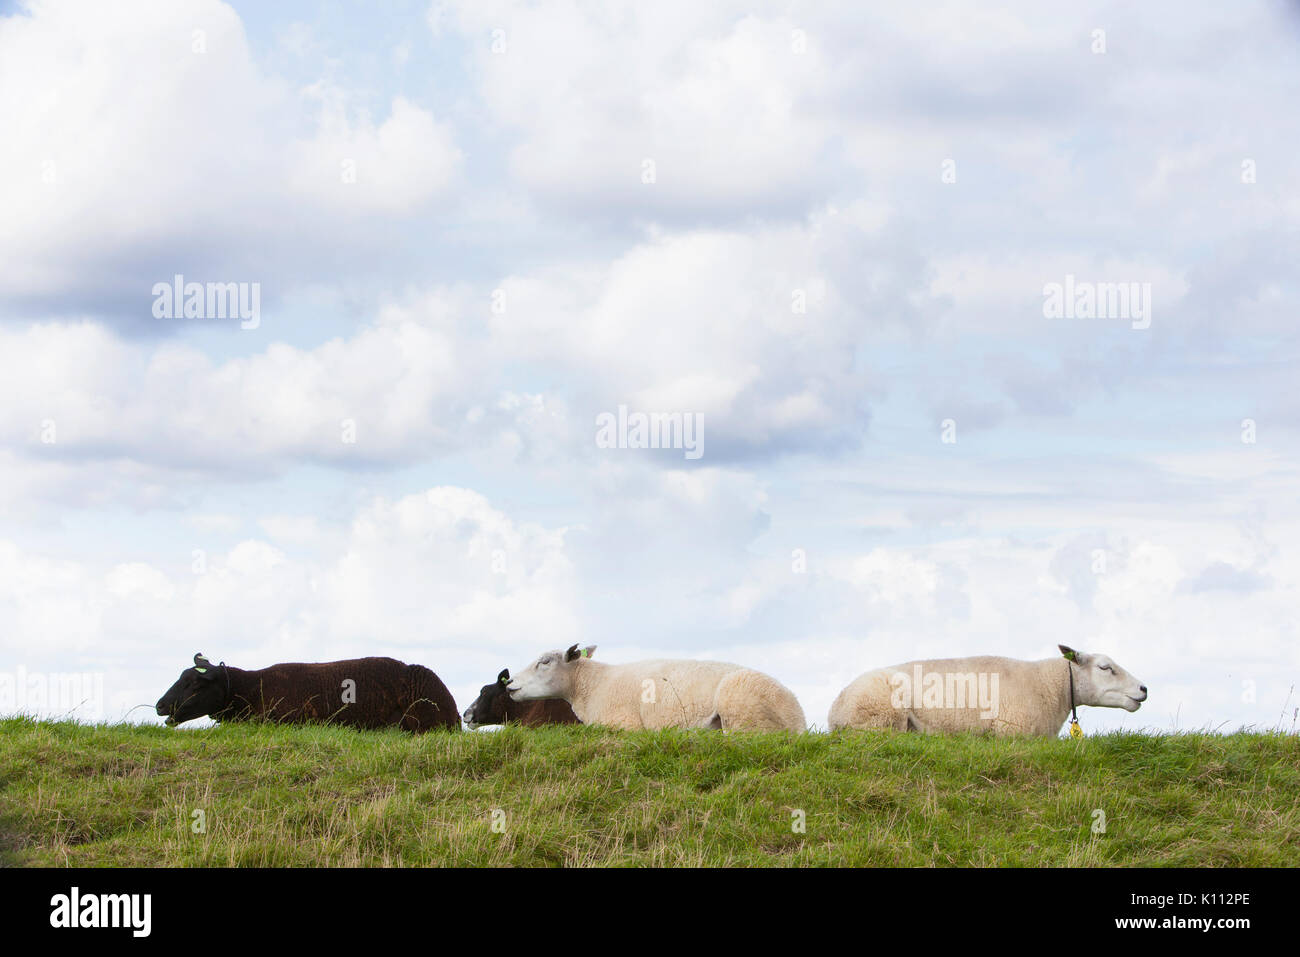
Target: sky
[829,234]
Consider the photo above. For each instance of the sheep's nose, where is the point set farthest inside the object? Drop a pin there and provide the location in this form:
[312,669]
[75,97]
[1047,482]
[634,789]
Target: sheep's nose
[1144,688]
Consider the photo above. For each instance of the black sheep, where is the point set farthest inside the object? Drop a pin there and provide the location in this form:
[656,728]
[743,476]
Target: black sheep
[359,693]
[494,706]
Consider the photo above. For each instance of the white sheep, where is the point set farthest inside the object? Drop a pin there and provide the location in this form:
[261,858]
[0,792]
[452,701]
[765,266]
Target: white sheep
[659,694]
[1001,696]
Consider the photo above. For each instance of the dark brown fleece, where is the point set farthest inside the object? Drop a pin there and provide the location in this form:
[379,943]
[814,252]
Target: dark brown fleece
[534,713]
[388,693]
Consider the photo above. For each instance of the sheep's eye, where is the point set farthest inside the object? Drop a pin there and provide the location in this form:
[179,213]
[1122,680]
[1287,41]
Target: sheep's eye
[546,661]
[1104,667]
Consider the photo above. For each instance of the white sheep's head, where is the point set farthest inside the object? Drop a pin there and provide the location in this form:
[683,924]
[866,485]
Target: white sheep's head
[550,676]
[1101,683]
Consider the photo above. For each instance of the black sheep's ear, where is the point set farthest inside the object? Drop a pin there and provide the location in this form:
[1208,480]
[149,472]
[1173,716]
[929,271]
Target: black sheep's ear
[504,677]
[572,653]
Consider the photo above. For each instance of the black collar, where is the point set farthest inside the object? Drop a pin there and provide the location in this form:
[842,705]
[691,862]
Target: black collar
[229,697]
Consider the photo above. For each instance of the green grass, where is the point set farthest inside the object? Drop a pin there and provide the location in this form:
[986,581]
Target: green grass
[280,796]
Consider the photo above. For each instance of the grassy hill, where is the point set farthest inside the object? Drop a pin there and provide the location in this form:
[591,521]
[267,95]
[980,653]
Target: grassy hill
[125,795]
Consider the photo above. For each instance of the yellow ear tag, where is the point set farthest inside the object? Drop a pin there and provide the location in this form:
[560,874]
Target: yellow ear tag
[1075,730]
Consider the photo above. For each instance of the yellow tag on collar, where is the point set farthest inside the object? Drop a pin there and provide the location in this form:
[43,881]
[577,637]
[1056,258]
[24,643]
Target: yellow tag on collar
[1075,730]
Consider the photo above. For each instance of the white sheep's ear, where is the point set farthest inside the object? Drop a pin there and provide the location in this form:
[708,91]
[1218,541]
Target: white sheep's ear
[1069,653]
[587,652]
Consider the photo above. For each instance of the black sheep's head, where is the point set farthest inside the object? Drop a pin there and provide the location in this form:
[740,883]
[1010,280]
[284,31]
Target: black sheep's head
[490,705]
[198,691]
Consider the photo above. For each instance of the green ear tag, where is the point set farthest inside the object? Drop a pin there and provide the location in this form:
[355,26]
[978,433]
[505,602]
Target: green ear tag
[1075,731]
[202,671]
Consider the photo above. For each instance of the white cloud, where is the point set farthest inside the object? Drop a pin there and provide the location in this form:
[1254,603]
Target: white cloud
[138,143]
[721,104]
[757,331]
[400,164]
[391,392]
